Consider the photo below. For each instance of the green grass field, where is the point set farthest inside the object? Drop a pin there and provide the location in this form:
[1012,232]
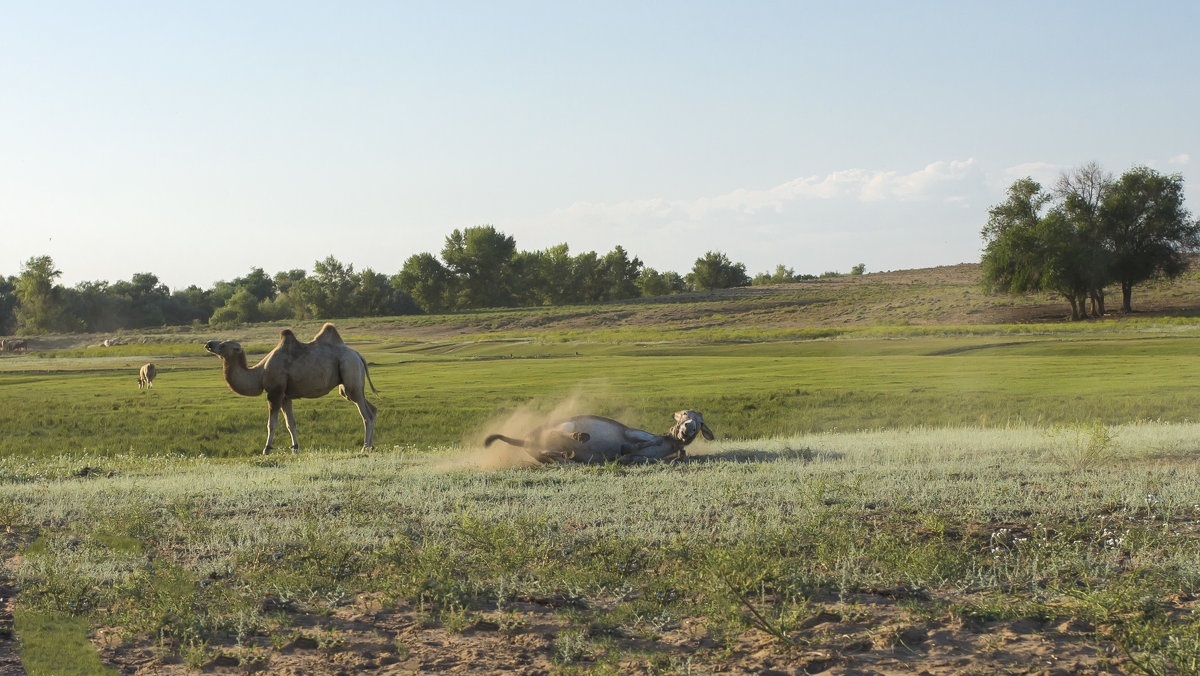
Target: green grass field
[877,496]
[446,393]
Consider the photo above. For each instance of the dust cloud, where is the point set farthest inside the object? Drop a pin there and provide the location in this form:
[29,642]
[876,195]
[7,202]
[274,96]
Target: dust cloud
[518,424]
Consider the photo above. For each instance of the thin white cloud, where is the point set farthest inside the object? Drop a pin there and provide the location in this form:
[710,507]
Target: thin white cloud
[1042,172]
[887,219]
[1180,160]
[941,181]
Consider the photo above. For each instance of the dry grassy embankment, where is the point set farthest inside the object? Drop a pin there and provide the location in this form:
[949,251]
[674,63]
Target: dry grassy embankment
[943,296]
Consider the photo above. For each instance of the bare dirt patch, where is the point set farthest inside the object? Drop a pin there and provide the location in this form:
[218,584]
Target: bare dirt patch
[860,633]
[10,661]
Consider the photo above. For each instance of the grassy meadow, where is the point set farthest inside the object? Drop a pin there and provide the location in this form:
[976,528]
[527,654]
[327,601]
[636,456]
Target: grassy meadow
[448,393]
[970,497]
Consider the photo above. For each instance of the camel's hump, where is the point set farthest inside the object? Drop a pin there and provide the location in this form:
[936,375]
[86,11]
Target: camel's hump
[329,336]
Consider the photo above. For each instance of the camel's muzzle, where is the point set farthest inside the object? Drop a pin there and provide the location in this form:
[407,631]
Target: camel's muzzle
[213,346]
[686,431]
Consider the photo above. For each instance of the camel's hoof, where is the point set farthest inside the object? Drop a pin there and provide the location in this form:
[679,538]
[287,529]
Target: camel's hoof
[295,450]
[267,450]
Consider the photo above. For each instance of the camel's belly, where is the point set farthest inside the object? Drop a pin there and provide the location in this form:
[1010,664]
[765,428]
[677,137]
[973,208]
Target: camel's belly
[606,438]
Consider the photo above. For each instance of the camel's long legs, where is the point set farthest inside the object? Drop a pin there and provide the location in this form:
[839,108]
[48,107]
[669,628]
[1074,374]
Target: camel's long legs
[357,395]
[272,420]
[290,421]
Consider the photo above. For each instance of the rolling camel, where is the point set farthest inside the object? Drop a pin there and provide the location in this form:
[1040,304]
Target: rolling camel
[296,370]
[590,438]
[146,376]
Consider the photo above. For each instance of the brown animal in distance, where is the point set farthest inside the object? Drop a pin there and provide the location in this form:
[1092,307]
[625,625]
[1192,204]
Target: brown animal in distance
[296,370]
[15,345]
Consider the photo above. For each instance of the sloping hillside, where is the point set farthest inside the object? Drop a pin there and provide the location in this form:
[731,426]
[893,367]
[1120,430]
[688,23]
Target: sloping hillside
[942,296]
[948,296]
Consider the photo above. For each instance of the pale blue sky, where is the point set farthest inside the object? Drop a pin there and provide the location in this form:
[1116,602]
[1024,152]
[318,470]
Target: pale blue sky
[199,140]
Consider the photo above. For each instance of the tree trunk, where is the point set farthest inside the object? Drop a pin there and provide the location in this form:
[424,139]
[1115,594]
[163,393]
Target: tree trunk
[1097,302]
[1126,294]
[1074,306]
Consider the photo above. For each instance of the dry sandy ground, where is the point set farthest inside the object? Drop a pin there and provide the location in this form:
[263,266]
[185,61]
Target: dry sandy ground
[10,663]
[862,634]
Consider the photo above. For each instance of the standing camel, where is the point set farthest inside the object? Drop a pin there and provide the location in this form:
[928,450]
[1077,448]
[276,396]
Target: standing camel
[296,370]
[146,376]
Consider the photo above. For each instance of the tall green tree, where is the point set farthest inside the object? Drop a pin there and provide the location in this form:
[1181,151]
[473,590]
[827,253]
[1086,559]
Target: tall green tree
[546,276]
[1012,259]
[41,302]
[289,301]
[620,274]
[427,281]
[587,276]
[714,270]
[654,283]
[1079,194]
[1067,258]
[1032,248]
[375,296]
[8,304]
[241,308]
[1022,208]
[98,306]
[481,259]
[333,293]
[285,279]
[191,304]
[258,283]
[147,300]
[1149,231]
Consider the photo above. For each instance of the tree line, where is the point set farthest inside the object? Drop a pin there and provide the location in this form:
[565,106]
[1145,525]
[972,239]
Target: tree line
[1087,233]
[478,267]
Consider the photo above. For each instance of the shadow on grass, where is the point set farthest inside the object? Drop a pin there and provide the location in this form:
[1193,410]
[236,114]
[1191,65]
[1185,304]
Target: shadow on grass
[761,455]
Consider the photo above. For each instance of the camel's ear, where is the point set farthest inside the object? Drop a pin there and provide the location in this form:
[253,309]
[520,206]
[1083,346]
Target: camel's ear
[706,432]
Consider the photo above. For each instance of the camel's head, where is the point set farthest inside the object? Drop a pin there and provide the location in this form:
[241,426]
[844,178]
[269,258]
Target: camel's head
[687,425]
[225,349]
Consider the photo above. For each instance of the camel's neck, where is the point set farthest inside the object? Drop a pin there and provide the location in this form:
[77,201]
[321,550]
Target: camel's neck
[242,379]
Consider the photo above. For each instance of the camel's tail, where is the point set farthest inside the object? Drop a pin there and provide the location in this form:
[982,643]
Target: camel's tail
[367,373]
[508,440]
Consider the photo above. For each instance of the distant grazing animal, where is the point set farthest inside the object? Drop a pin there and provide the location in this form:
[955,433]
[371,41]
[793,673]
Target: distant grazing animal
[15,345]
[590,438]
[146,376]
[296,370]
